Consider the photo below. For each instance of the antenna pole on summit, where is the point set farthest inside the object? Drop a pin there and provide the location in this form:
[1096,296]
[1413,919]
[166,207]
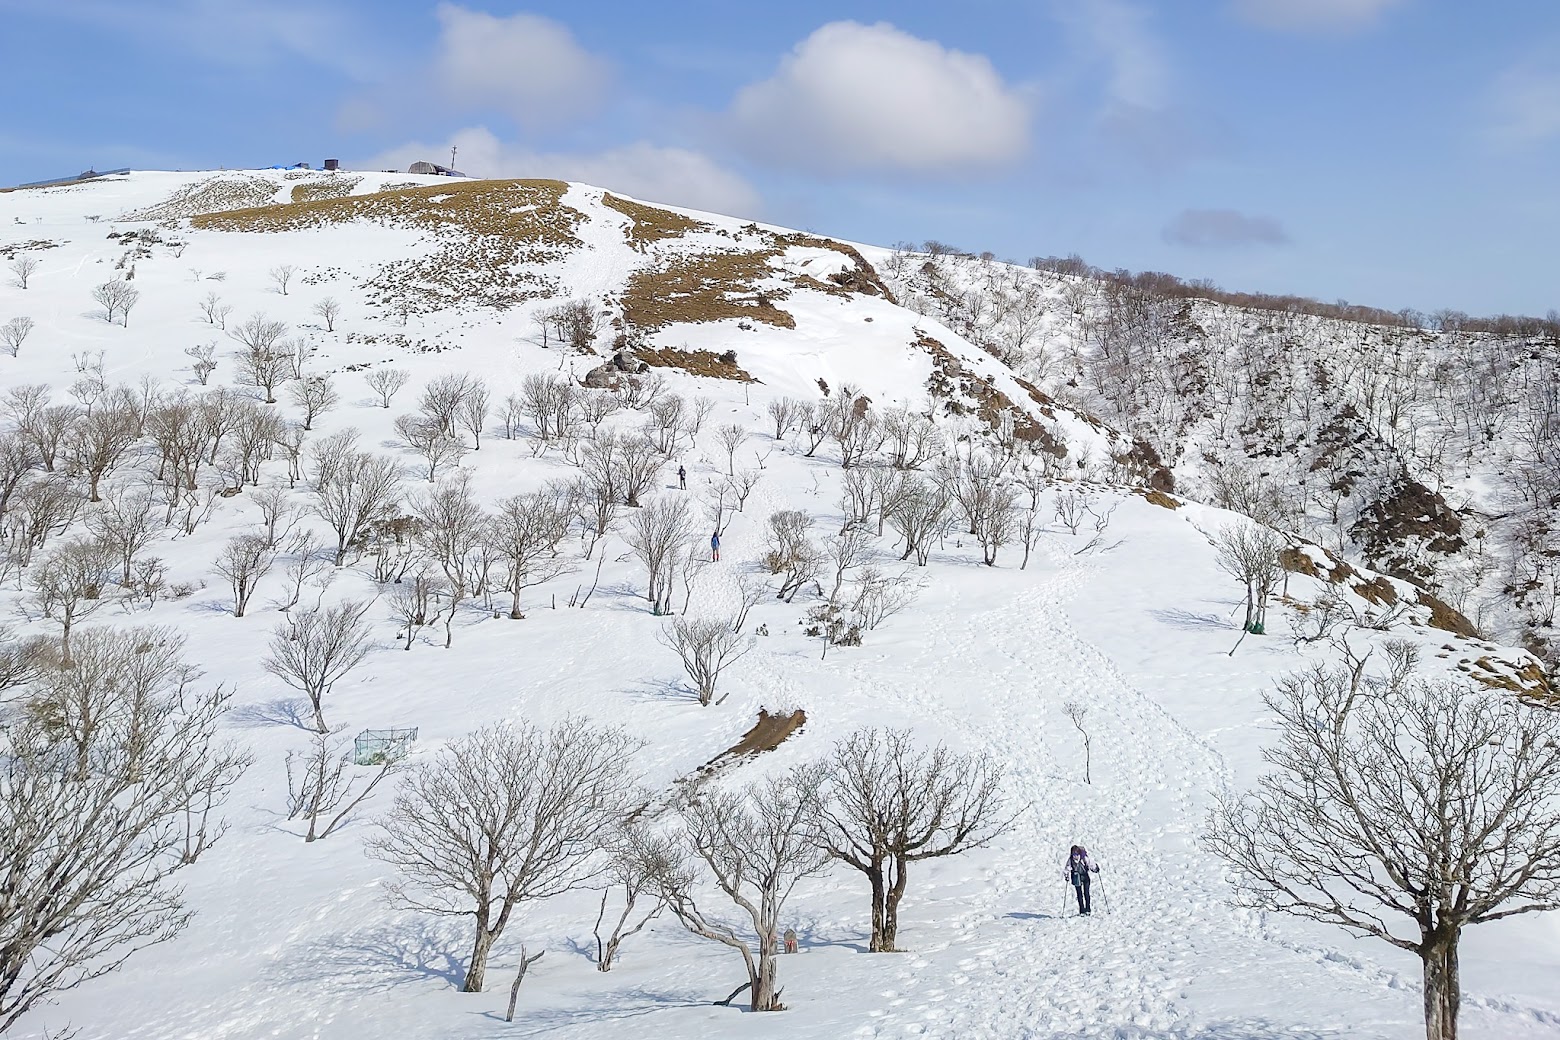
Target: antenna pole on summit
[453,150]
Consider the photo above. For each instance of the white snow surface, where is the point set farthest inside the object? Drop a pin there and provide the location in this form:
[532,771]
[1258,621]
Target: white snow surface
[293,940]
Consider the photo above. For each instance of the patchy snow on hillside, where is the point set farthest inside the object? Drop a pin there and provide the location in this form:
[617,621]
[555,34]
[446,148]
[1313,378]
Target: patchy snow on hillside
[1130,616]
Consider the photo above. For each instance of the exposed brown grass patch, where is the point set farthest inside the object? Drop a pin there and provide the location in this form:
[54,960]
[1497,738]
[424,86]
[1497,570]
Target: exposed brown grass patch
[695,362]
[334,188]
[14,249]
[1528,680]
[1159,498]
[768,733]
[707,287]
[650,224]
[489,236]
[226,191]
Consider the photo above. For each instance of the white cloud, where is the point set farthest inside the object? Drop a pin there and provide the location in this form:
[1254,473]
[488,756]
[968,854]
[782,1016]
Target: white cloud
[673,176]
[1223,228]
[529,66]
[1312,15]
[870,97]
[1118,35]
[1524,105]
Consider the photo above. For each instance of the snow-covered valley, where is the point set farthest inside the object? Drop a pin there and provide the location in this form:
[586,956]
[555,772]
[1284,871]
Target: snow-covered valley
[1122,609]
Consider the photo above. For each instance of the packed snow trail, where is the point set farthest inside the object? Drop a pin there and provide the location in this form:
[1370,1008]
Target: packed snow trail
[1040,971]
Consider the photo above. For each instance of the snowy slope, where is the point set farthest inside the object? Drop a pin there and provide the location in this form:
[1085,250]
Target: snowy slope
[295,941]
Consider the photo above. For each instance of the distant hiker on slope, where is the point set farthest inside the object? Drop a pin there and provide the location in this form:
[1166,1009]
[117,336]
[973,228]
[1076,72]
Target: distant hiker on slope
[1079,867]
[682,478]
[715,547]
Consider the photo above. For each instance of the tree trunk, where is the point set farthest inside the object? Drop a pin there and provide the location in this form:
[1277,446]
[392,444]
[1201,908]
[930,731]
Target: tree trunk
[896,892]
[879,911]
[477,969]
[1443,986]
[766,997]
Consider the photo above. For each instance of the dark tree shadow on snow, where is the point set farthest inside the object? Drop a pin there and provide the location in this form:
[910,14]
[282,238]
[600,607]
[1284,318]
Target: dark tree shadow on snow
[381,958]
[283,711]
[1190,620]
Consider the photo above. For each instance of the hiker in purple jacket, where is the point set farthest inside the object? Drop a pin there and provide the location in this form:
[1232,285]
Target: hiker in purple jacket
[1079,867]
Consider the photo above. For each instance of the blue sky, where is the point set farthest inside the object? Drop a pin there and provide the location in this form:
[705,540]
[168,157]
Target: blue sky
[1400,153]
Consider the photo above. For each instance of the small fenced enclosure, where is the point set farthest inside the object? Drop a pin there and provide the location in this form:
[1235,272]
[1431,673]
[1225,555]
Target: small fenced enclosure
[375,747]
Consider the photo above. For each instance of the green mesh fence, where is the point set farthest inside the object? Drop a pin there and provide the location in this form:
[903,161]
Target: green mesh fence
[374,747]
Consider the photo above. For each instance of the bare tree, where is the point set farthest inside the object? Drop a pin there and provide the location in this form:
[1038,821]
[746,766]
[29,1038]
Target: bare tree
[473,411]
[784,411]
[315,396]
[264,362]
[329,309]
[315,649]
[525,532]
[843,551]
[215,310]
[657,534]
[116,297]
[386,382]
[1405,810]
[791,554]
[22,268]
[756,845]
[706,647]
[641,904]
[281,275]
[1075,713]
[13,333]
[506,816]
[892,804]
[1248,552]
[203,361]
[90,853]
[730,437]
[99,439]
[69,585]
[245,559]
[453,529]
[124,524]
[320,790]
[442,398]
[920,517]
[414,602]
[356,489]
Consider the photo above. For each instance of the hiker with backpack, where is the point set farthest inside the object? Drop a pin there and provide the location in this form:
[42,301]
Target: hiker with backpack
[682,479]
[1079,866]
[715,547]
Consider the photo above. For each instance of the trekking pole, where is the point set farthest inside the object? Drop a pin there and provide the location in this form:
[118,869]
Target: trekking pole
[1104,893]
[1066,895]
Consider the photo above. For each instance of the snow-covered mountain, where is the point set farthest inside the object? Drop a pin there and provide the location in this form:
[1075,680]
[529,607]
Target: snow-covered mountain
[1119,606]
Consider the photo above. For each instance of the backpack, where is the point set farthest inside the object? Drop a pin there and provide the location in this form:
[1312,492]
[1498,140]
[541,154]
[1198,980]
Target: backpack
[1078,866]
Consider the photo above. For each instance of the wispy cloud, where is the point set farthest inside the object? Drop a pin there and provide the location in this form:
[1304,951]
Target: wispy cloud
[1223,229]
[1523,105]
[225,33]
[1313,15]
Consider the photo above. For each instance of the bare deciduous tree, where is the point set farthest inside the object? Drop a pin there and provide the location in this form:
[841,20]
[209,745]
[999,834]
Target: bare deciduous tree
[386,382]
[354,490]
[13,333]
[525,532]
[315,649]
[1405,810]
[626,875]
[755,845]
[790,553]
[892,804]
[320,790]
[329,309]
[657,535]
[90,853]
[264,362]
[1248,552]
[1076,713]
[215,310]
[506,816]
[730,437]
[22,268]
[69,585]
[203,361]
[706,647]
[281,276]
[116,297]
[314,396]
[245,559]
